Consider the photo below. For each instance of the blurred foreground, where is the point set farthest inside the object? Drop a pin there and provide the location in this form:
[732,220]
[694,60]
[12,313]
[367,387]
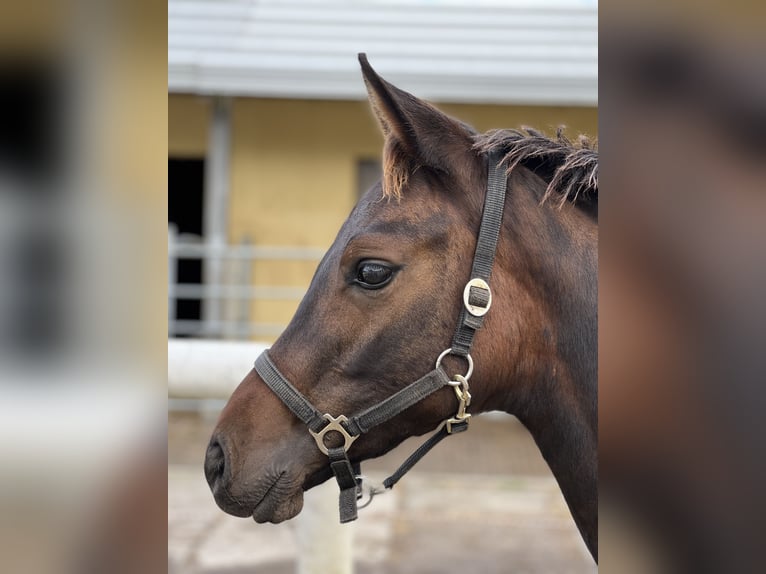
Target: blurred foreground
[682,277]
[83,173]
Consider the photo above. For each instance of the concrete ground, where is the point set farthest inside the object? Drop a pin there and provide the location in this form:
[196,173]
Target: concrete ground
[482,502]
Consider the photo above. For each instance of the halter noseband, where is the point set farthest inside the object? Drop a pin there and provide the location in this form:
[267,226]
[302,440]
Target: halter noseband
[477,299]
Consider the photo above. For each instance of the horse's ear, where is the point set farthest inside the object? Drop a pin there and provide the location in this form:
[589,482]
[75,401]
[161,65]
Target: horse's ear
[430,137]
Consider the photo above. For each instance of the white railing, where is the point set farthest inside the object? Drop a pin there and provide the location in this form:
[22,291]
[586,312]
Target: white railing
[226,300]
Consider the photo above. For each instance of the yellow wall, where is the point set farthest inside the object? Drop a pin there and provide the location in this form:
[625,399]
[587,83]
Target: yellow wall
[546,119]
[293,178]
[294,168]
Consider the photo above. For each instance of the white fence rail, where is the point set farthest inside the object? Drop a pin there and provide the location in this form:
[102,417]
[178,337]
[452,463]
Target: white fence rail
[226,293]
[208,369]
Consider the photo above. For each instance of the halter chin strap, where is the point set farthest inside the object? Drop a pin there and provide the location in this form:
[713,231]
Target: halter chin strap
[477,299]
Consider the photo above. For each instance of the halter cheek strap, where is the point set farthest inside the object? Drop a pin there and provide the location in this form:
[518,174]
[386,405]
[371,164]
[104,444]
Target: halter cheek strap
[477,296]
[477,299]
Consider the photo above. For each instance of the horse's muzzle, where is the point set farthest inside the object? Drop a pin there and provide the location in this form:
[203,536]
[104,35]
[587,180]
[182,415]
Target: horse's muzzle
[215,463]
[218,476]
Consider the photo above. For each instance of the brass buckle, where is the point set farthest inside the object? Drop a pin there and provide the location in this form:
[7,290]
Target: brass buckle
[333,424]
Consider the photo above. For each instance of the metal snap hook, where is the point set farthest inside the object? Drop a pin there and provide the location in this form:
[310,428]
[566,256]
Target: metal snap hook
[371,490]
[461,388]
[459,421]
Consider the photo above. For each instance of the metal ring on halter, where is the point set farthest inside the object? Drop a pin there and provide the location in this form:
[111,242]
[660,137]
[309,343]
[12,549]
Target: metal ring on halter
[333,425]
[466,357]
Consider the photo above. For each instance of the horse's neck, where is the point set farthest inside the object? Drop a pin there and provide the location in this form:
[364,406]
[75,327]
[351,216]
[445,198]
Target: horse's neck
[561,413]
[568,441]
[559,400]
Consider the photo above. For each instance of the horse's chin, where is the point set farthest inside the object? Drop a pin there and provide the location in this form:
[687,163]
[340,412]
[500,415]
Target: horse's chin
[316,478]
[276,507]
[275,497]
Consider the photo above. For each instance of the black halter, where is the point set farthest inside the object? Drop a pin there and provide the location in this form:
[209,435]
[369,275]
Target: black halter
[477,299]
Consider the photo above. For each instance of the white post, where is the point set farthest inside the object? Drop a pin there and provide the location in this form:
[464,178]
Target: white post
[172,276]
[216,206]
[324,544]
[244,277]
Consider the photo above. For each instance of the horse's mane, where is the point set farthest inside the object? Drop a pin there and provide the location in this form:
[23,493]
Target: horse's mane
[570,169]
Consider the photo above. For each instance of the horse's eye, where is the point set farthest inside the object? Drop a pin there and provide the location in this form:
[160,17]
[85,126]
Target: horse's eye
[373,275]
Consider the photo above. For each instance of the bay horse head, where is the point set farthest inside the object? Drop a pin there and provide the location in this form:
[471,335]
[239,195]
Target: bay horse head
[384,303]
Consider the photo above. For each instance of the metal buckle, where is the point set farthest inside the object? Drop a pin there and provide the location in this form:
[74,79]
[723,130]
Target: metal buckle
[476,310]
[333,424]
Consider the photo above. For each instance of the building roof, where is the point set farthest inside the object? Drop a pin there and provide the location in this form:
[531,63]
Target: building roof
[488,51]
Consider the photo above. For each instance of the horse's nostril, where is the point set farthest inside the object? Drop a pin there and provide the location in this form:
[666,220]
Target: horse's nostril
[215,462]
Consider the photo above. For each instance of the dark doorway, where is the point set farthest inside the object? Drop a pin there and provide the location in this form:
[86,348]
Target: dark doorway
[185,201]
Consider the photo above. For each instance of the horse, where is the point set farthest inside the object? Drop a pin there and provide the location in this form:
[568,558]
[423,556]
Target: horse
[383,304]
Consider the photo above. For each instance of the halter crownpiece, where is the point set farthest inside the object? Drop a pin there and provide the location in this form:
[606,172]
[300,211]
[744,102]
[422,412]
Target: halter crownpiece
[477,299]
